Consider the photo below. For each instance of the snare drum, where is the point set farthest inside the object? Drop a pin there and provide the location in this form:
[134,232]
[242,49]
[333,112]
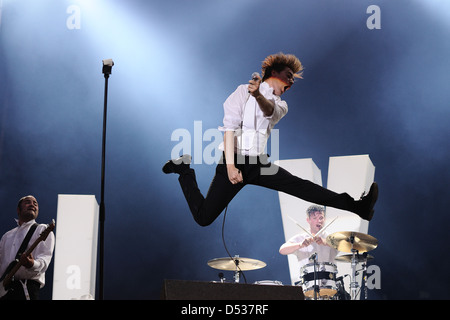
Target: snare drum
[325,279]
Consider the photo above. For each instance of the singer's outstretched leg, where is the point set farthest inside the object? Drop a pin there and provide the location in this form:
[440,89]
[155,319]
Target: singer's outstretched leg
[221,191]
[306,190]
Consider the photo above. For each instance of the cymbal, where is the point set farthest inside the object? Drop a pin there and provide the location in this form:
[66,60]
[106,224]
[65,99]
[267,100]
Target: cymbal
[244,264]
[342,241]
[348,258]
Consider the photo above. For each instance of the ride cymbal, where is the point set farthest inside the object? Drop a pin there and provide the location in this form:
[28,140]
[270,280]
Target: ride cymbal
[345,241]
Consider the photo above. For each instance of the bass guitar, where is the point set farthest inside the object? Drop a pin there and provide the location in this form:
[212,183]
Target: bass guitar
[16,264]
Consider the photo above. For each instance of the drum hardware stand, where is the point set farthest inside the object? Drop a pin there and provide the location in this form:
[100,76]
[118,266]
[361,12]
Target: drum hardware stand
[365,280]
[364,270]
[342,294]
[353,283]
[221,277]
[236,272]
[353,242]
[316,286]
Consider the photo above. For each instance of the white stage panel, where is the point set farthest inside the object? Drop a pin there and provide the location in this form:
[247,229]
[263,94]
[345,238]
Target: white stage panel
[350,174]
[294,207]
[76,247]
[354,175]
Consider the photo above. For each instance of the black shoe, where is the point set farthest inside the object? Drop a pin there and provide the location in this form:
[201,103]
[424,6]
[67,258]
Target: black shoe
[177,165]
[367,202]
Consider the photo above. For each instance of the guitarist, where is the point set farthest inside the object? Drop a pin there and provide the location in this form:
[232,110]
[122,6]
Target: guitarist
[30,277]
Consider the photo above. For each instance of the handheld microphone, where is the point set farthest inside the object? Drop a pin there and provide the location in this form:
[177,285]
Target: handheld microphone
[255,76]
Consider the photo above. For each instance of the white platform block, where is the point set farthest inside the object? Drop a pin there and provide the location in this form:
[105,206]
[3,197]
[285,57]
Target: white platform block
[350,174]
[76,247]
[296,208]
[354,175]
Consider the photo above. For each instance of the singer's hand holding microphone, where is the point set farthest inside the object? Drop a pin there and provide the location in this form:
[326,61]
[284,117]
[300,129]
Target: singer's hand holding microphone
[253,84]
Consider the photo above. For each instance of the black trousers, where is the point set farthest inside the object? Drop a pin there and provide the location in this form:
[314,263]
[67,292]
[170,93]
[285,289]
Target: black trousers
[16,291]
[256,171]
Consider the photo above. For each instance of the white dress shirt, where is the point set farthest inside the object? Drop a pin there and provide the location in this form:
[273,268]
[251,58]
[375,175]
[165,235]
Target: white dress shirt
[42,254]
[324,253]
[242,109]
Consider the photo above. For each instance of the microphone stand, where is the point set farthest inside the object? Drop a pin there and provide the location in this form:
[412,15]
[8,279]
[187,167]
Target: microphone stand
[107,67]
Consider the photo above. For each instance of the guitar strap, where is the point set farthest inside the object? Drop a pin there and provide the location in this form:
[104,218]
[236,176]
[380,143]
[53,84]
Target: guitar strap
[26,240]
[22,249]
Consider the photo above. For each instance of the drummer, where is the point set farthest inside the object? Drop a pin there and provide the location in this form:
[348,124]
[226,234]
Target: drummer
[304,246]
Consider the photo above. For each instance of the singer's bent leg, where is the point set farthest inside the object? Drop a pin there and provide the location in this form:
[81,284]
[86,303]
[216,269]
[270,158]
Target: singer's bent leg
[221,191]
[306,190]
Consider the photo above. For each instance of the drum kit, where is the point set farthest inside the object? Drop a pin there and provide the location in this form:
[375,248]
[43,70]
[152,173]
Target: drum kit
[318,279]
[322,282]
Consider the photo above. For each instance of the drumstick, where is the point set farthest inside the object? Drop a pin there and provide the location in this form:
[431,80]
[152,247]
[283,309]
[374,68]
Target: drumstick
[326,226]
[298,224]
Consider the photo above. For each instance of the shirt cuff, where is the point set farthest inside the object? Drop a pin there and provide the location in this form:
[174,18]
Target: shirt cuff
[223,129]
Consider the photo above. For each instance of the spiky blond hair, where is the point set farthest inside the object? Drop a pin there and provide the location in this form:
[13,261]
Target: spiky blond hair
[278,62]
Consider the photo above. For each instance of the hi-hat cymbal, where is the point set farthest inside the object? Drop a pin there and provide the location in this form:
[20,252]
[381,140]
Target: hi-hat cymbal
[346,240]
[229,264]
[348,258]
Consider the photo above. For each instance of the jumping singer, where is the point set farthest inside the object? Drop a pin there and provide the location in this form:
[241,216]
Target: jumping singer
[250,113]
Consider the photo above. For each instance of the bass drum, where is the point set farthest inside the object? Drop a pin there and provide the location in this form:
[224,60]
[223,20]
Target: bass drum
[325,280]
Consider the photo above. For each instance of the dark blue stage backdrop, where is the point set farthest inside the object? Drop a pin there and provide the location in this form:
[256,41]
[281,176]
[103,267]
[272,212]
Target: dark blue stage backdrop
[376,82]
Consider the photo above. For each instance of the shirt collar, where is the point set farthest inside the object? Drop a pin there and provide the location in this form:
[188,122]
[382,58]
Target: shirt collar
[265,88]
[26,223]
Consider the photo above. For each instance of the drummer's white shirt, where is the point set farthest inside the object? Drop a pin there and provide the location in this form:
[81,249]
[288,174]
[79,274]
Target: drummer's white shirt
[324,253]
